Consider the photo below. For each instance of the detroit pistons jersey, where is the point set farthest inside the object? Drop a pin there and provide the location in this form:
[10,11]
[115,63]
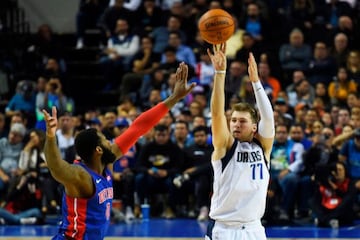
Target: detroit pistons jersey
[88,218]
[241,180]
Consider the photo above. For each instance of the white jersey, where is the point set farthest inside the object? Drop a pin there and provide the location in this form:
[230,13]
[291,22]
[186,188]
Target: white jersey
[241,180]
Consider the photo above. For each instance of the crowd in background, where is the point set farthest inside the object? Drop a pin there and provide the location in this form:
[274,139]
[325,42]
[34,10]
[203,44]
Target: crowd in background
[308,54]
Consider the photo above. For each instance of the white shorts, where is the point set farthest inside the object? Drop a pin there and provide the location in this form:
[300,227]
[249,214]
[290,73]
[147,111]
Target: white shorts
[238,231]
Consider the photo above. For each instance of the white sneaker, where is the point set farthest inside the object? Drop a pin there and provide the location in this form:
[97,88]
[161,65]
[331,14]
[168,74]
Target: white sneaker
[129,215]
[79,44]
[204,214]
[2,221]
[334,223]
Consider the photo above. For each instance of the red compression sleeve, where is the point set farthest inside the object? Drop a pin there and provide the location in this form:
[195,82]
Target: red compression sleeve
[140,126]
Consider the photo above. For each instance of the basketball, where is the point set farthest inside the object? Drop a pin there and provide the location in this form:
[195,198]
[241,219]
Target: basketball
[216,26]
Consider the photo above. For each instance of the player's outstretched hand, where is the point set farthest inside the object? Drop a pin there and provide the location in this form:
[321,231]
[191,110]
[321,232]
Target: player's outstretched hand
[218,57]
[181,88]
[252,69]
[51,122]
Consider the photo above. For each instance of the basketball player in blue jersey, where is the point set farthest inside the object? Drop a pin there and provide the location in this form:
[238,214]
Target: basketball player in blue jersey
[88,193]
[240,158]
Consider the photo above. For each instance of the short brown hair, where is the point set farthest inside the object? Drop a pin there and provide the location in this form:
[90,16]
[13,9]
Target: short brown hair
[245,107]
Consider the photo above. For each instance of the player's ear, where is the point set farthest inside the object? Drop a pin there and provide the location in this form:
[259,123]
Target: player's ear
[99,149]
[255,127]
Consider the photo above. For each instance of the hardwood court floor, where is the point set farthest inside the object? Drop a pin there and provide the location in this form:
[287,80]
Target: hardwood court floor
[119,238]
[181,229]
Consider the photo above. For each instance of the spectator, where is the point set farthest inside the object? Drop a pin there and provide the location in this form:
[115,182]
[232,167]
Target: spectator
[109,122]
[204,71]
[10,149]
[254,23]
[161,34]
[183,52]
[23,102]
[269,82]
[65,135]
[289,176]
[121,48]
[341,86]
[340,50]
[111,15]
[237,71]
[124,176]
[350,155]
[353,65]
[322,67]
[150,16]
[144,62]
[295,55]
[196,177]
[249,45]
[181,135]
[334,197]
[321,91]
[158,163]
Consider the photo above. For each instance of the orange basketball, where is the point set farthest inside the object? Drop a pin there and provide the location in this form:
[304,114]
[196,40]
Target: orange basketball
[216,26]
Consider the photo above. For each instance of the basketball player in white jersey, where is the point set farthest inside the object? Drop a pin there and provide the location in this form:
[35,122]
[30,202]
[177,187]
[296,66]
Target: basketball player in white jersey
[240,158]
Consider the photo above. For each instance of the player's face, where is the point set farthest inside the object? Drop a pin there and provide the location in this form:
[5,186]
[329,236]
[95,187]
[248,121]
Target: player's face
[108,156]
[241,126]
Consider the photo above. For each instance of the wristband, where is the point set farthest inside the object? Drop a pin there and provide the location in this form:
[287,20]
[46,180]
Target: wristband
[220,71]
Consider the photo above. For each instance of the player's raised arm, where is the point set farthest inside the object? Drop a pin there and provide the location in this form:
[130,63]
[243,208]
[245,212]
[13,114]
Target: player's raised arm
[221,135]
[266,128]
[73,177]
[151,117]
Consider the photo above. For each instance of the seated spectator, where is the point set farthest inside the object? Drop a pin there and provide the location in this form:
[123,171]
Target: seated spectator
[294,55]
[334,197]
[23,102]
[108,20]
[255,24]
[149,17]
[144,62]
[340,50]
[353,65]
[196,178]
[158,163]
[322,67]
[23,210]
[121,48]
[350,154]
[10,149]
[341,86]
[269,82]
[124,176]
[161,34]
[183,52]
[249,45]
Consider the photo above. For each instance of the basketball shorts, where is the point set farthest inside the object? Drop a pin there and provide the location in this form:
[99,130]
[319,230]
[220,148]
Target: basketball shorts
[235,231]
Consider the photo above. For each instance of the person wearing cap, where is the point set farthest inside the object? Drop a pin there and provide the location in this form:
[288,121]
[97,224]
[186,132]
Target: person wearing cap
[10,149]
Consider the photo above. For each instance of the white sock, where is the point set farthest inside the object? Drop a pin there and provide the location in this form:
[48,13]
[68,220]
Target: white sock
[29,220]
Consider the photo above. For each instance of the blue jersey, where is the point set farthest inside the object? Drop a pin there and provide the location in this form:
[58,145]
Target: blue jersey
[87,218]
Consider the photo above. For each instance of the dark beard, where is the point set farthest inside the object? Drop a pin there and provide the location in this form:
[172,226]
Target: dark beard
[108,156]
